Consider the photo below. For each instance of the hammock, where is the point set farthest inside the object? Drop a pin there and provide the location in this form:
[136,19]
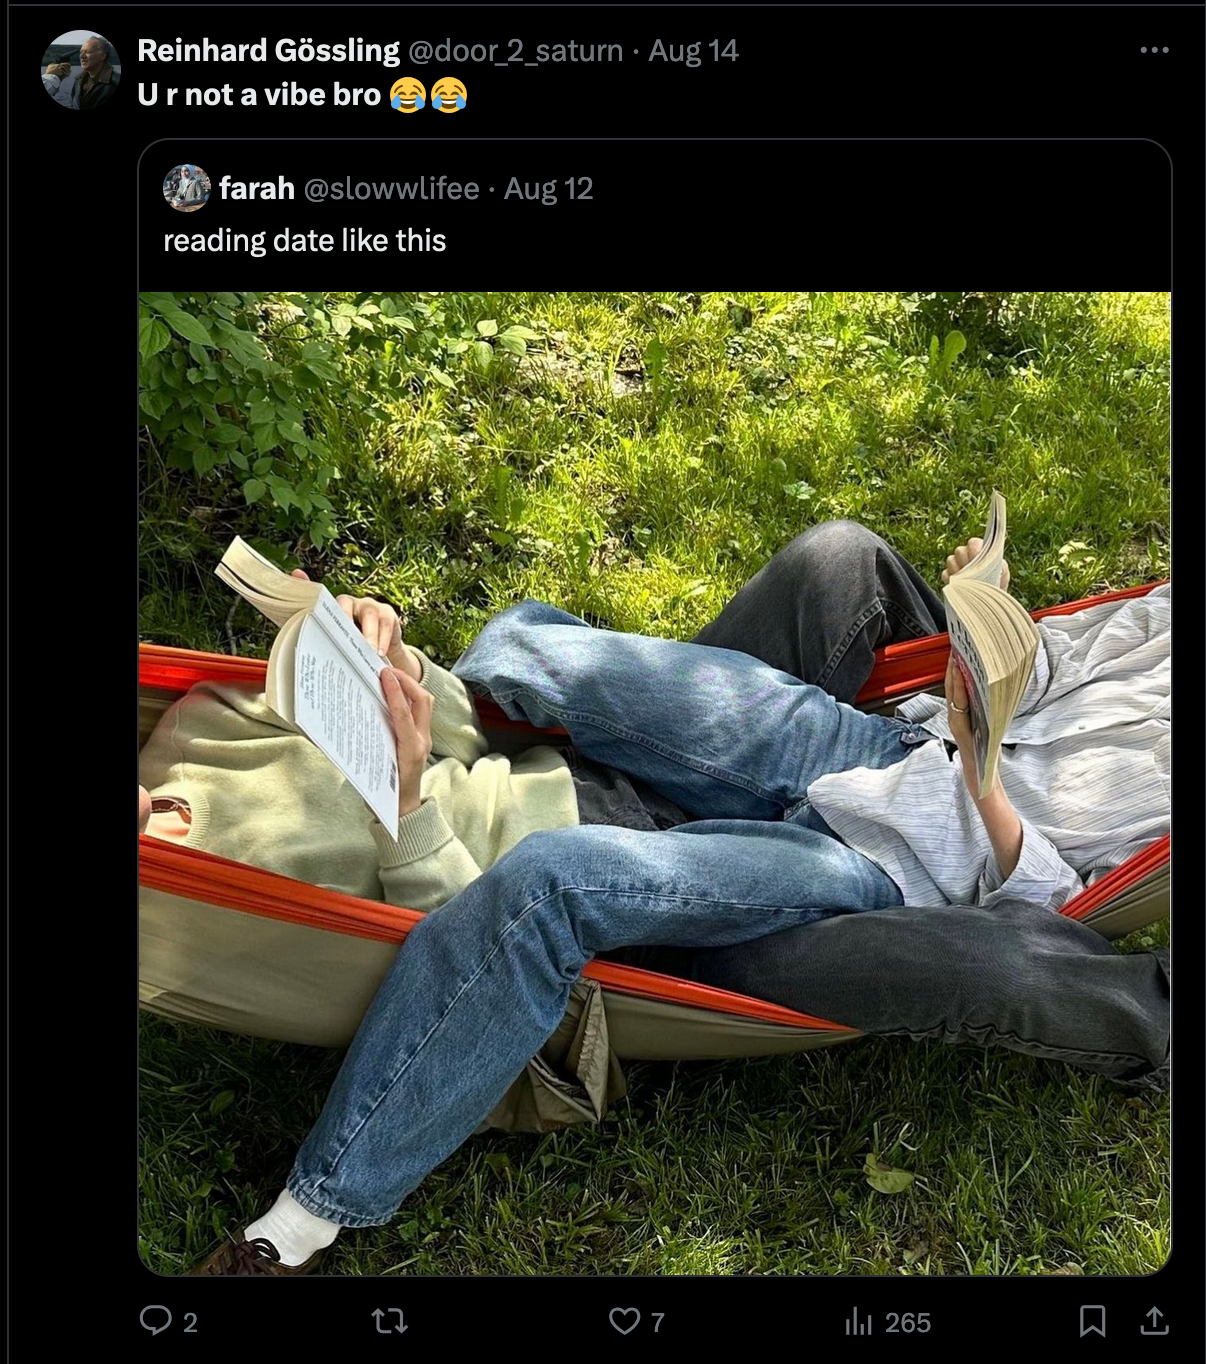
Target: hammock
[231,946]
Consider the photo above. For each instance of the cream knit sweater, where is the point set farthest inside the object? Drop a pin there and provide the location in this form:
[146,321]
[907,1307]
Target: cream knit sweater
[261,793]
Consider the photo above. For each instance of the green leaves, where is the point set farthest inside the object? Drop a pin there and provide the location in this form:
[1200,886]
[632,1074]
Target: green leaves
[514,340]
[484,342]
[206,458]
[317,358]
[229,383]
[883,1178]
[152,337]
[942,359]
[264,437]
[153,404]
[801,491]
[955,344]
[654,359]
[191,328]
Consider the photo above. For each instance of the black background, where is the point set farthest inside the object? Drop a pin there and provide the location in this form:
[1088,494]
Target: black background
[1031,147]
[1040,201]
[701,209]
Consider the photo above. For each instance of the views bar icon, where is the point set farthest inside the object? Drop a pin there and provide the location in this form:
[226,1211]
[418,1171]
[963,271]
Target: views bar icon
[854,1329]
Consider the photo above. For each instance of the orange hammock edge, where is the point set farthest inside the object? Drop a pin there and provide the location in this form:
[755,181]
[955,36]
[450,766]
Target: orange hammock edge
[196,875]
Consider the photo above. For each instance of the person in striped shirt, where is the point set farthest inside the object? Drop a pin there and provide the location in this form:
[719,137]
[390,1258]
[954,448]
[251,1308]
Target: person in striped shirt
[795,808]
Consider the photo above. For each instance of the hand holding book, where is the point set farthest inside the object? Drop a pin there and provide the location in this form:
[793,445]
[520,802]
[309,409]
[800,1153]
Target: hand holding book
[993,644]
[410,708]
[967,554]
[378,623]
[1001,822]
[958,709]
[325,676]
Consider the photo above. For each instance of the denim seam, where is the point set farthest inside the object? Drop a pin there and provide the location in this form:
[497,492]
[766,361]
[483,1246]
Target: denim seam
[917,628]
[884,606]
[633,736]
[309,1191]
[840,650]
[987,1034]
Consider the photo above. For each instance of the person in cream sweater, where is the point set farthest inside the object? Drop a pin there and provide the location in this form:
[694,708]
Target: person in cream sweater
[743,800]
[224,773]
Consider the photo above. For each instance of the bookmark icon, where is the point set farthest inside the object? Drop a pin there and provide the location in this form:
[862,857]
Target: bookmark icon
[1092,1319]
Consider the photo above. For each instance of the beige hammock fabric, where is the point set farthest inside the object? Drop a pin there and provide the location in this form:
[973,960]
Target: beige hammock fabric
[232,947]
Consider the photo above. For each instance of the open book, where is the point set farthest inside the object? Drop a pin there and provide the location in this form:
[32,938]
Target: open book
[986,566]
[323,676]
[994,642]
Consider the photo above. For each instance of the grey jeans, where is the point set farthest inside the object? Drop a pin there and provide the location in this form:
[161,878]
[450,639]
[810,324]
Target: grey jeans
[1018,977]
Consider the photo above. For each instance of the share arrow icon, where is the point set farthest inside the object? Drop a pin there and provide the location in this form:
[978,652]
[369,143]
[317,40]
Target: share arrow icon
[1155,1314]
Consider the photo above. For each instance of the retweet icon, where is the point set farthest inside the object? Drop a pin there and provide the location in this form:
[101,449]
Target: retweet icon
[407,95]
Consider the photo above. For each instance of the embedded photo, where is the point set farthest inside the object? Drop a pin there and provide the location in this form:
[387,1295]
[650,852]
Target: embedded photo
[653,783]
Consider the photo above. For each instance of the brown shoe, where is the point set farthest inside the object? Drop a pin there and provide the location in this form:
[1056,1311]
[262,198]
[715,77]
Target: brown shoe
[252,1257]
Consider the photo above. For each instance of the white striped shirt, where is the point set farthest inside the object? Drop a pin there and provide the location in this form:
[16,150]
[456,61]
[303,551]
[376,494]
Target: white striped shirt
[1085,763]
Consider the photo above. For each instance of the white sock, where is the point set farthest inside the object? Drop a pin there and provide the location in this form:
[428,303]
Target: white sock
[296,1233]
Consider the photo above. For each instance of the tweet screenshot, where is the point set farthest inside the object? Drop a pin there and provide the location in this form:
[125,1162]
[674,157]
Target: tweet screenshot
[654,783]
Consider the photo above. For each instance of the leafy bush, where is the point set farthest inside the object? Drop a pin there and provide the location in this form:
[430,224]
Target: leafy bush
[661,447]
[250,388]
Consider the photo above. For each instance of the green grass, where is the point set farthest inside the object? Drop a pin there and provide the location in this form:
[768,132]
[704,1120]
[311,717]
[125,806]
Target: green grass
[641,462]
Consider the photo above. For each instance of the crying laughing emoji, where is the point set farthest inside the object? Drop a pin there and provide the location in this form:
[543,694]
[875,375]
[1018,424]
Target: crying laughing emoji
[407,95]
[448,95]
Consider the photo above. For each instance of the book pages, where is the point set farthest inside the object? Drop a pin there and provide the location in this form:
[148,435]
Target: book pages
[323,676]
[994,642]
[986,566]
[336,709]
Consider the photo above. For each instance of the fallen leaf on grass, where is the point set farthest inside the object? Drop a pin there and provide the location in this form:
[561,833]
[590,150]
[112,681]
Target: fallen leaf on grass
[883,1178]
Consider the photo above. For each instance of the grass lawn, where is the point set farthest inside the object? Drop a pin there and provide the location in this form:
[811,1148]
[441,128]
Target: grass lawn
[635,466]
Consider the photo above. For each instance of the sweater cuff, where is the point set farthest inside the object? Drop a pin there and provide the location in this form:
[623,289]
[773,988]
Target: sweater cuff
[420,833]
[421,659]
[441,684]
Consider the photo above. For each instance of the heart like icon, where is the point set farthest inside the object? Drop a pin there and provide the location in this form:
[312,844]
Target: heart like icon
[618,1316]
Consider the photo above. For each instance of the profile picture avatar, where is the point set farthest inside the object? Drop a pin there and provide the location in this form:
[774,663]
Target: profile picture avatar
[81,70]
[186,187]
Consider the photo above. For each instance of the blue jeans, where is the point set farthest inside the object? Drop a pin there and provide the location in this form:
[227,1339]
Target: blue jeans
[823,605]
[720,733]
[481,984]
